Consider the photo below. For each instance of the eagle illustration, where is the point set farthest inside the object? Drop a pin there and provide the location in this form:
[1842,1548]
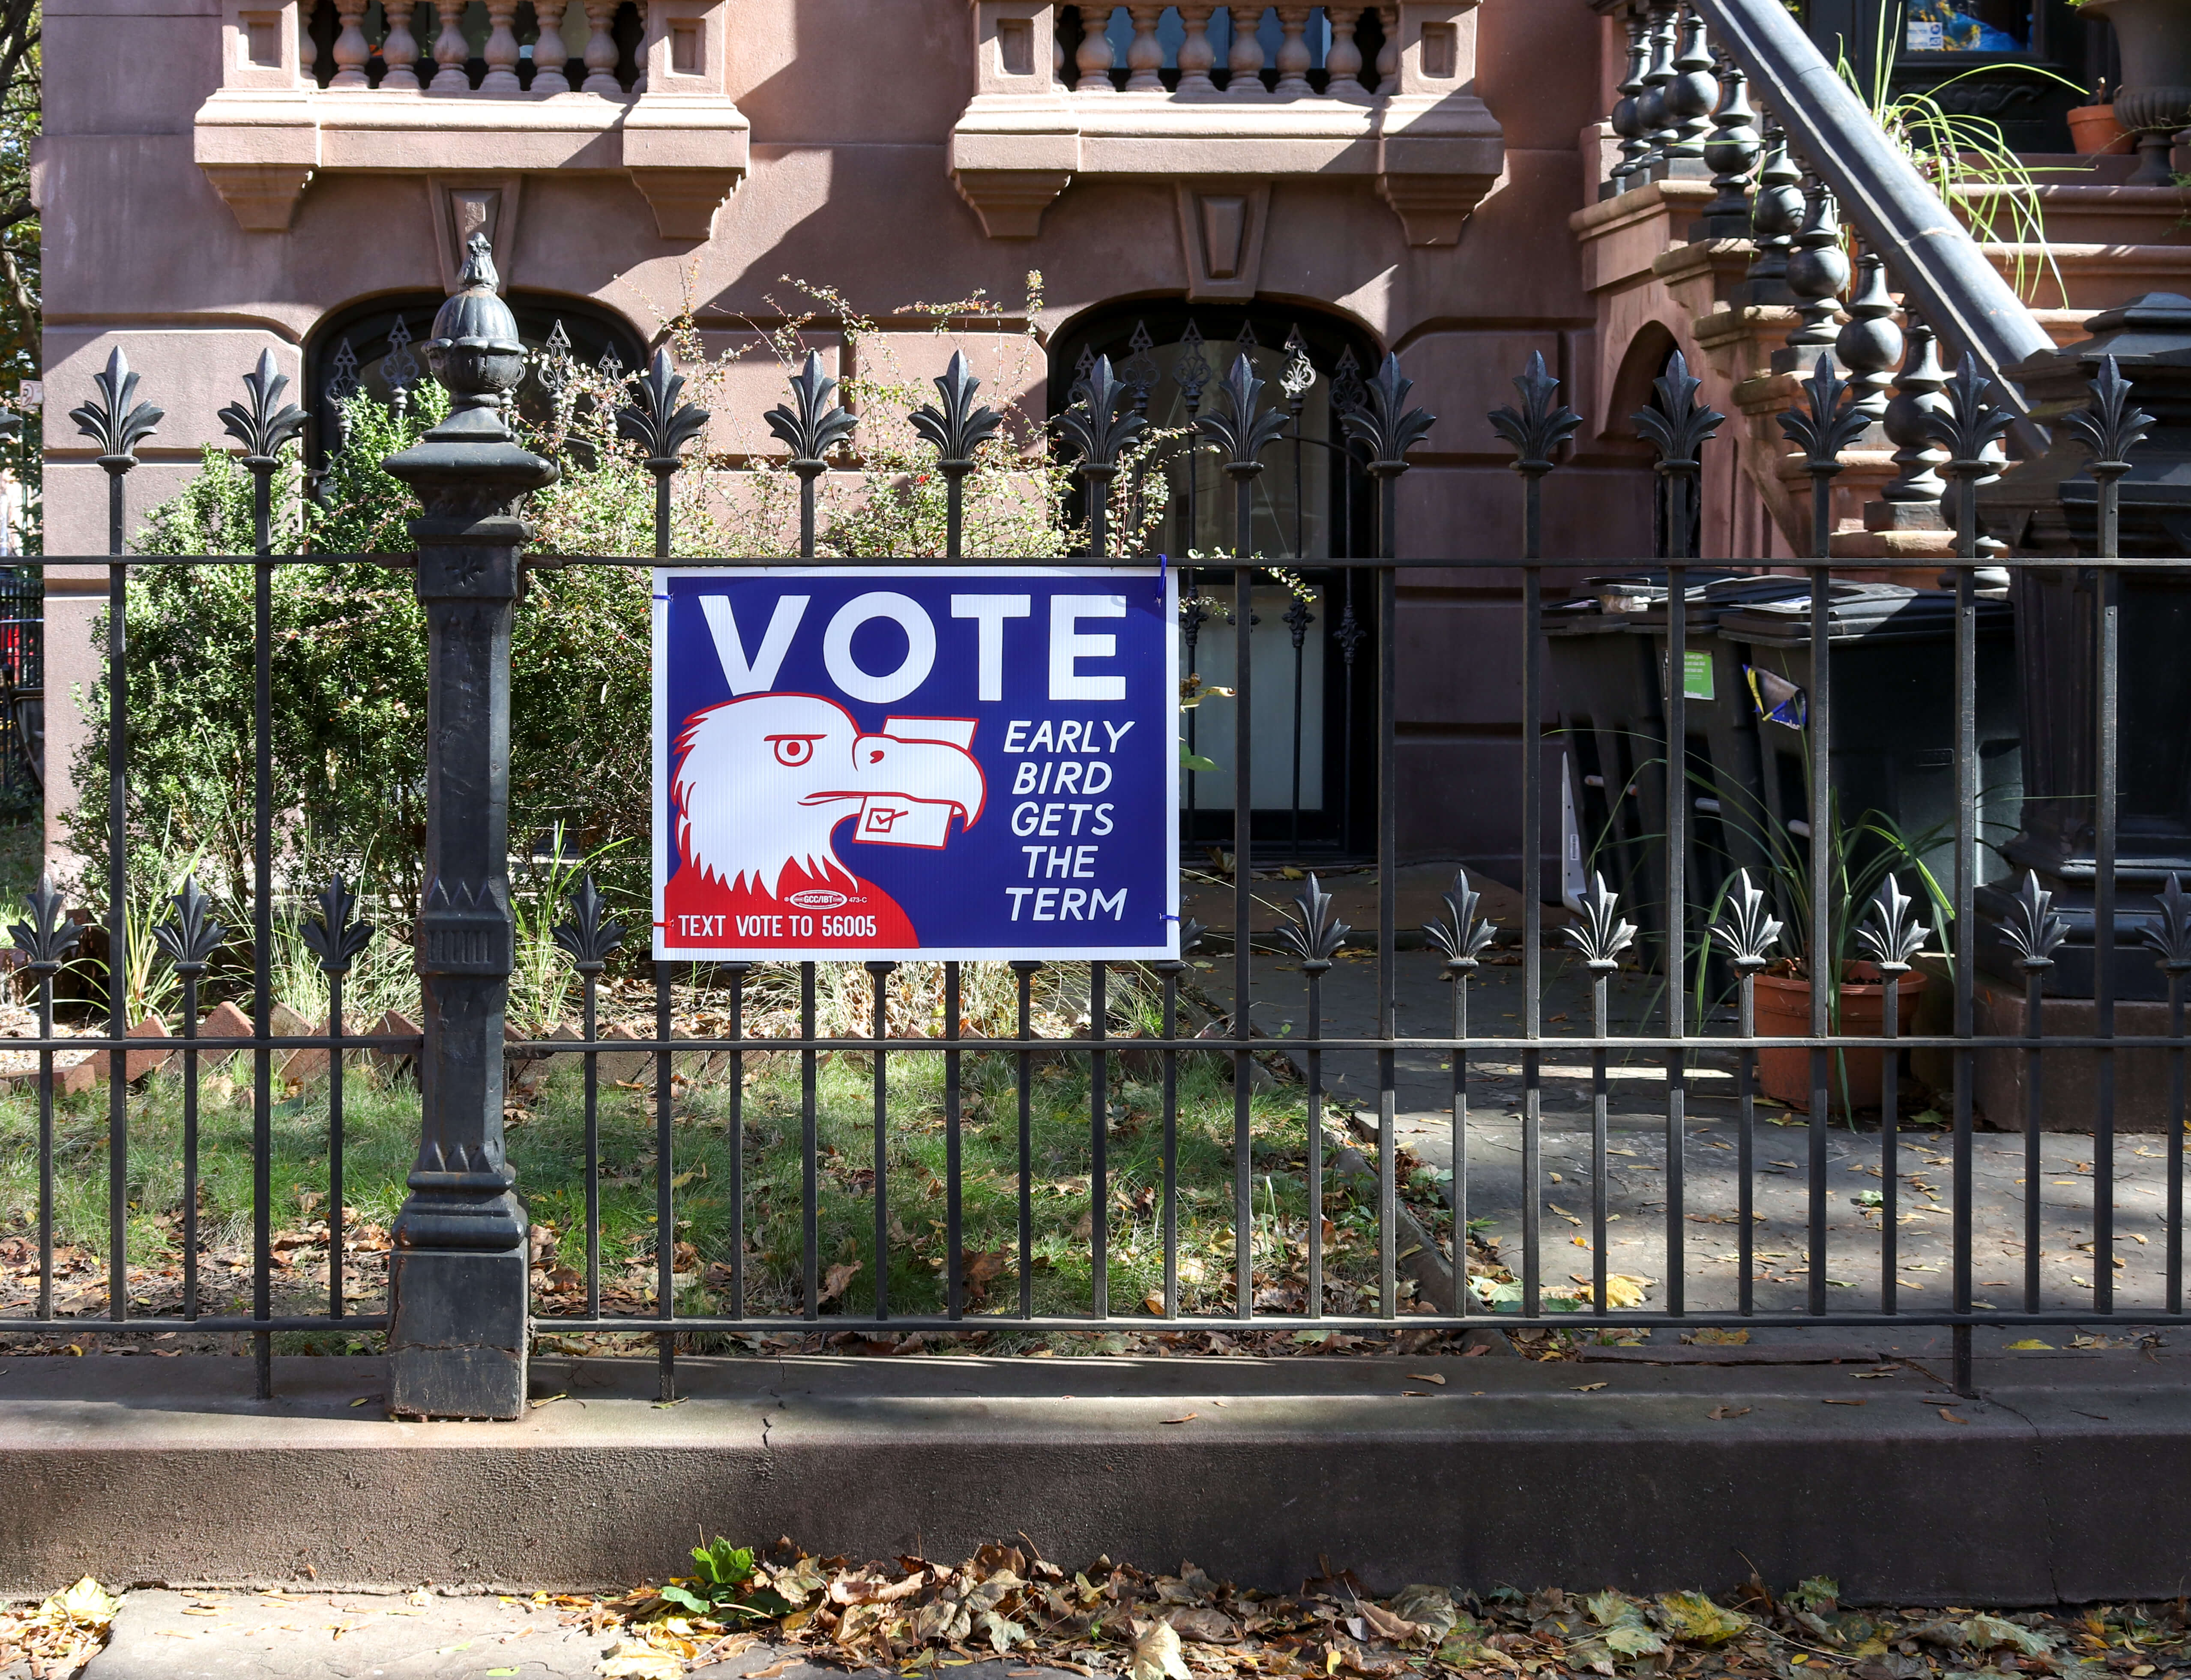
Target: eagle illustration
[760,785]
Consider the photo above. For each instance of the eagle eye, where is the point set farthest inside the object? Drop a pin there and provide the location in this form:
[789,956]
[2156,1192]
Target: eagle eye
[793,751]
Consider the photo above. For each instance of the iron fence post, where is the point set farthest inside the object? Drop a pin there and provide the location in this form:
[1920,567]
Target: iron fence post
[457,1282]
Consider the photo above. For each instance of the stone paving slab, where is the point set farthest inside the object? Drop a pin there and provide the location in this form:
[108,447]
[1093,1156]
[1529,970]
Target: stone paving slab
[296,1634]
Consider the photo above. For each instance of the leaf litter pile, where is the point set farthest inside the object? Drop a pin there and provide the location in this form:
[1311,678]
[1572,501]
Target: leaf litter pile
[57,1635]
[915,1616]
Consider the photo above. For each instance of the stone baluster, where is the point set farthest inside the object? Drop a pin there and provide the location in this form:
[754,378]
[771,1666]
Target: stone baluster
[1294,55]
[1388,55]
[1776,214]
[1730,154]
[600,49]
[1651,106]
[1690,98]
[1245,60]
[451,50]
[1095,56]
[308,50]
[501,53]
[639,81]
[352,49]
[1144,56]
[1817,272]
[399,48]
[1627,117]
[1197,57]
[1343,60]
[549,53]
[1912,502]
[1870,345]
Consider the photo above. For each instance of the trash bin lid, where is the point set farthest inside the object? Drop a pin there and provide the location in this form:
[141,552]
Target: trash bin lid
[1860,612]
[1635,592]
[1708,606]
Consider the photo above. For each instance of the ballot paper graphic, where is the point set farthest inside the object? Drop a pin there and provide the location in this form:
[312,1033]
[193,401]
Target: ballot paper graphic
[897,819]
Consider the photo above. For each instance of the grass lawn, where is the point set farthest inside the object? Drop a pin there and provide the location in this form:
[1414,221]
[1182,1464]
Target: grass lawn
[711,1154]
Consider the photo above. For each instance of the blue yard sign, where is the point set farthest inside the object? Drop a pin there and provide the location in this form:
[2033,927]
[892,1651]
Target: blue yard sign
[890,762]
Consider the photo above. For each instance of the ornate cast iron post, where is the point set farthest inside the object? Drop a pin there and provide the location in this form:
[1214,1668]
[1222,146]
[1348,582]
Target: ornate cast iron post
[457,1302]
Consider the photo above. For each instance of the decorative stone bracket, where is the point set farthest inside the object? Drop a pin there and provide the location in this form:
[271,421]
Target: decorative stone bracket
[268,131]
[1429,147]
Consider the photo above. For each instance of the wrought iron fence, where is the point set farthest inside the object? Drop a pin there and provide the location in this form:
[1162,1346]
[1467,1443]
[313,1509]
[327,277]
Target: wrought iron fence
[457,1318]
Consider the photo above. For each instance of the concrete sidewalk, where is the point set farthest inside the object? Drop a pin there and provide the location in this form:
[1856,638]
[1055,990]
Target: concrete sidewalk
[1645,1476]
[1640,1235]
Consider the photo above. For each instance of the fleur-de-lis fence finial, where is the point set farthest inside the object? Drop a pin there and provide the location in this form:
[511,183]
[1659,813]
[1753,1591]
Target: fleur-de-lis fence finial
[1538,427]
[190,936]
[956,430]
[1237,423]
[664,427]
[1317,933]
[1678,425]
[1462,935]
[1750,930]
[2171,940]
[114,419]
[1602,935]
[338,935]
[1387,428]
[657,422]
[1100,422]
[2111,426]
[2032,929]
[263,423]
[1828,423]
[1242,429]
[813,430]
[1969,428]
[588,939]
[1383,422]
[1892,933]
[47,938]
[1534,431]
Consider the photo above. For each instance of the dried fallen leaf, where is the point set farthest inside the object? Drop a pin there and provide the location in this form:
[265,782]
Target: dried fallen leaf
[1189,1418]
[1846,1403]
[1951,1417]
[632,1660]
[1719,1414]
[1427,1376]
[1157,1654]
[1589,1388]
[840,1279]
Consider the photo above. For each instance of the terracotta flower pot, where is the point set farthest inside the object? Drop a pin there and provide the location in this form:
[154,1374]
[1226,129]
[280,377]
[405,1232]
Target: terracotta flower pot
[2095,132]
[1784,1010]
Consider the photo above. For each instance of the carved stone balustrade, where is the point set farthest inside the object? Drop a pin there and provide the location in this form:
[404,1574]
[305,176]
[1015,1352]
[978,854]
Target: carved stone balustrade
[1406,118]
[270,129]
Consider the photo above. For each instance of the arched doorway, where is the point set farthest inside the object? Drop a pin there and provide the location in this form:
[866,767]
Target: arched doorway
[378,346]
[1312,756]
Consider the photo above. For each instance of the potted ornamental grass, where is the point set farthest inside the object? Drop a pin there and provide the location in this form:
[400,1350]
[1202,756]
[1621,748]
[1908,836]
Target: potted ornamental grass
[1876,875]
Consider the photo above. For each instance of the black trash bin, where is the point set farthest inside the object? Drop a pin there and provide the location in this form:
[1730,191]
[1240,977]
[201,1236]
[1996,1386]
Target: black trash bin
[1894,726]
[1725,830]
[1612,712]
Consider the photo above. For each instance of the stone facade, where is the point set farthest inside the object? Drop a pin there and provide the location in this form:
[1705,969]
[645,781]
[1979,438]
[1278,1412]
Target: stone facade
[205,199]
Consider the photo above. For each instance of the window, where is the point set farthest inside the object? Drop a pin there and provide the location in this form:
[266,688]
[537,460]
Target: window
[1312,647]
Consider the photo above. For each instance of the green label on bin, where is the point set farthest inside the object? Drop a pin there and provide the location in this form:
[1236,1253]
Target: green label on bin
[1697,676]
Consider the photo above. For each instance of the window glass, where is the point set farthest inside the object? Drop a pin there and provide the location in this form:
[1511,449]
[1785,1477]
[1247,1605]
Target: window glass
[1967,26]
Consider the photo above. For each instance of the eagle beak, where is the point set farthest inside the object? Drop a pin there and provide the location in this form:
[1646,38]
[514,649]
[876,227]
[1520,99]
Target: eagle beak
[933,771]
